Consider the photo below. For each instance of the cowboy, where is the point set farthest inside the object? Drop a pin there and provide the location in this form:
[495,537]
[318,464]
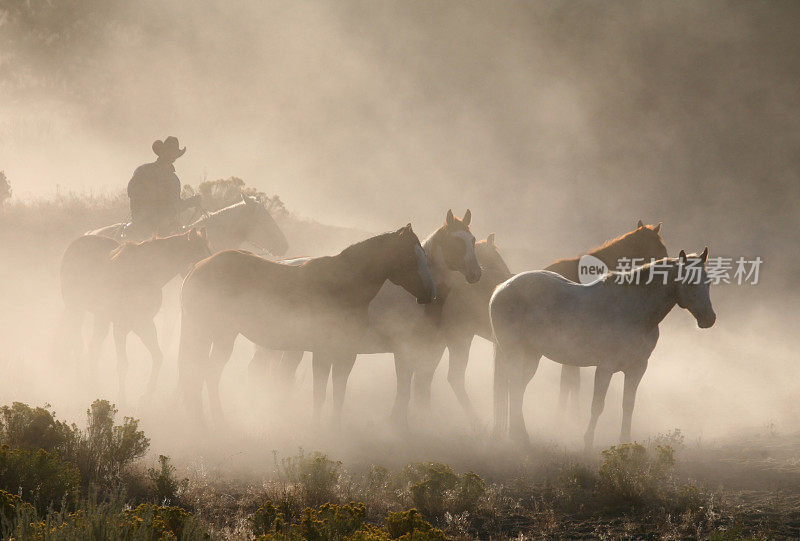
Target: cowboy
[155,191]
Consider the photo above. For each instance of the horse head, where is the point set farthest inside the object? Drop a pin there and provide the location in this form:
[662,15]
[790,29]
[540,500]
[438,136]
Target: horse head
[693,288]
[411,271]
[457,245]
[490,259]
[263,230]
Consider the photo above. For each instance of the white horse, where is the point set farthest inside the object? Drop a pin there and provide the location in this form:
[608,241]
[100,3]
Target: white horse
[611,324]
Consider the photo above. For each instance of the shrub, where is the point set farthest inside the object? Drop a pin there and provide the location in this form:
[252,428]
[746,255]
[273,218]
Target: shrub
[165,485]
[23,427]
[12,507]
[110,520]
[631,475]
[408,525]
[316,475]
[38,477]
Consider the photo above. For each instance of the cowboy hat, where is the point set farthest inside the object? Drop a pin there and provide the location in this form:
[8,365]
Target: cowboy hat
[168,148]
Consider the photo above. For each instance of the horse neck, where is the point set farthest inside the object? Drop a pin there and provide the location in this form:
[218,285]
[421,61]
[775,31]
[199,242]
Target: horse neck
[227,228]
[357,273]
[626,246]
[436,264]
[648,303]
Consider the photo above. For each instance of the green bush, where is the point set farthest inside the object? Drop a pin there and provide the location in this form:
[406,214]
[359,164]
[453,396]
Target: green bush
[316,476]
[165,485]
[24,427]
[12,507]
[38,477]
[110,520]
[631,475]
[408,525]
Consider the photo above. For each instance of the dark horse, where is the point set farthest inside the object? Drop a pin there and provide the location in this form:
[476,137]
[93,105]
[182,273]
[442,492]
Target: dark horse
[397,325]
[319,306]
[121,284]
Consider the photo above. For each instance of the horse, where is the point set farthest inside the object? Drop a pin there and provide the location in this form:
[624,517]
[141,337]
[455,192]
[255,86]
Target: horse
[466,312]
[611,323]
[398,326]
[319,306]
[644,244]
[245,221]
[121,284]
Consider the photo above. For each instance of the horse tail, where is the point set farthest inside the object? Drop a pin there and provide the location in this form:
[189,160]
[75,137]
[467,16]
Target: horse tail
[500,393]
[193,359]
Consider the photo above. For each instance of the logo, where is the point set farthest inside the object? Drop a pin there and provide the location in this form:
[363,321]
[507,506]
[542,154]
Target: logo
[590,269]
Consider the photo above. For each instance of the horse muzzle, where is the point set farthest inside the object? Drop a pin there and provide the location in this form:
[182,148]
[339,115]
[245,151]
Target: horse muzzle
[707,321]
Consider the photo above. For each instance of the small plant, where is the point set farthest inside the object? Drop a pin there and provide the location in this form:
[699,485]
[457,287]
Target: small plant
[428,484]
[631,475]
[316,475]
[409,525]
[165,485]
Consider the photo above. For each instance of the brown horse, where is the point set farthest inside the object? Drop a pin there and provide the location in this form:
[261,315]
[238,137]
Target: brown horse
[400,327]
[319,306]
[121,284]
[643,244]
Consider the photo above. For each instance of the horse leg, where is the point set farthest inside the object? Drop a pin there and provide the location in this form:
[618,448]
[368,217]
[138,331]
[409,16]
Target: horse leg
[500,393]
[423,376]
[321,368]
[121,342]
[457,374]
[287,367]
[521,370]
[99,332]
[342,367]
[569,393]
[602,377]
[193,359]
[149,336]
[632,379]
[402,396]
[220,354]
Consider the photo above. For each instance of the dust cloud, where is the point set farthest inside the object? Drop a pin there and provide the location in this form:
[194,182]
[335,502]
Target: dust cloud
[558,124]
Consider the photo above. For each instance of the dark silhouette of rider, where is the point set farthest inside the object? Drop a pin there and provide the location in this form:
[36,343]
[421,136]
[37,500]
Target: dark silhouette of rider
[155,192]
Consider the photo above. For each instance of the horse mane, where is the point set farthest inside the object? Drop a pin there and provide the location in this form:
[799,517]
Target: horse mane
[611,276]
[358,248]
[623,241]
[224,212]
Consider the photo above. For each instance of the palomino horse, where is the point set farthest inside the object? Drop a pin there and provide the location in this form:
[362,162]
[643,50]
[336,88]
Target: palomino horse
[466,313]
[319,306]
[121,284]
[398,326]
[643,244]
[611,323]
[230,227]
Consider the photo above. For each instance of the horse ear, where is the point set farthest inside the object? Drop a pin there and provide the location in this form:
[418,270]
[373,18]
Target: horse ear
[490,239]
[682,256]
[467,217]
[450,218]
[704,255]
[640,224]
[657,229]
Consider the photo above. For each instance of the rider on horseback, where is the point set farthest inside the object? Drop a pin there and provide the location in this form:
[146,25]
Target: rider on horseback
[155,192]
